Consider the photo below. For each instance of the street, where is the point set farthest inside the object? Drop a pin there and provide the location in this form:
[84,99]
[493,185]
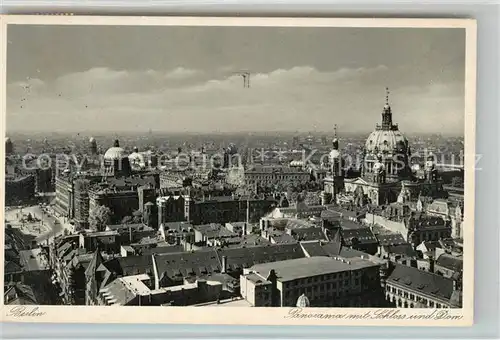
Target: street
[54,225]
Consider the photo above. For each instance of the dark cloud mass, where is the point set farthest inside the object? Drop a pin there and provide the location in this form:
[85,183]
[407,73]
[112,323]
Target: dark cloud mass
[182,78]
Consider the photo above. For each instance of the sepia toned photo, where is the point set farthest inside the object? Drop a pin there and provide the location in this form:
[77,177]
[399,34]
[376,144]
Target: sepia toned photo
[238,171]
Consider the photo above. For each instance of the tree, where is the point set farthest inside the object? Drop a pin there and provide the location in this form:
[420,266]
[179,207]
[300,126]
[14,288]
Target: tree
[99,218]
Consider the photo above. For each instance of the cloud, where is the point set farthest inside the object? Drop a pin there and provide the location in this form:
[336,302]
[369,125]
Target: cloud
[181,73]
[299,98]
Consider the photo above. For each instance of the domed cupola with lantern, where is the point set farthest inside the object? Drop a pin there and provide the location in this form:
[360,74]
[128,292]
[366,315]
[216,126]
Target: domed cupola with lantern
[116,162]
[386,164]
[386,148]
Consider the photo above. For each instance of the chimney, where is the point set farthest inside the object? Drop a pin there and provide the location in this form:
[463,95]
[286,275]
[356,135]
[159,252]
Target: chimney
[274,290]
[224,264]
[431,264]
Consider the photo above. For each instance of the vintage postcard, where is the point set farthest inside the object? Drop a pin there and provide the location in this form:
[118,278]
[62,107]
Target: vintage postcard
[253,171]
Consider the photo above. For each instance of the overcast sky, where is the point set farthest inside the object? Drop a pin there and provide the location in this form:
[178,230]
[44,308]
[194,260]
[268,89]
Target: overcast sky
[103,78]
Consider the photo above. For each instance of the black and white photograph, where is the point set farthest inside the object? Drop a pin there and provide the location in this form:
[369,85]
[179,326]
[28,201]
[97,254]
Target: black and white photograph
[322,167]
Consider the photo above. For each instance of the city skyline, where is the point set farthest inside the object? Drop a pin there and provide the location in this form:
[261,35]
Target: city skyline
[169,90]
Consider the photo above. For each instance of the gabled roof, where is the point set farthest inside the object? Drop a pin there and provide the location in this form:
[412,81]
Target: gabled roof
[401,249]
[11,267]
[314,248]
[20,294]
[421,281]
[130,265]
[94,264]
[350,253]
[390,239]
[283,238]
[363,235]
[332,248]
[238,258]
[450,262]
[431,245]
[186,264]
[308,234]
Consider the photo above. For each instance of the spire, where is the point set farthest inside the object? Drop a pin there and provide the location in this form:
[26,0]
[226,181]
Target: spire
[335,139]
[387,114]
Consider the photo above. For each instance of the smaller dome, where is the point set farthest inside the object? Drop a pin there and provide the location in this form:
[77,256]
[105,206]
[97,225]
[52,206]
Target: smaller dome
[303,301]
[387,107]
[7,140]
[92,140]
[136,158]
[136,149]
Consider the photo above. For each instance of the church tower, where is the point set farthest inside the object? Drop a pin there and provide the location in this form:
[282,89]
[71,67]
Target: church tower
[334,182]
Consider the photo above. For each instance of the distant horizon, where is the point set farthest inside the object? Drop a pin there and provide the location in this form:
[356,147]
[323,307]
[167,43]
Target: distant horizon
[326,133]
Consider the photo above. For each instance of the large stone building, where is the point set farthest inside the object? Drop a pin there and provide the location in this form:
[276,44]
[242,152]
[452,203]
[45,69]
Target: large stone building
[385,171]
[271,175]
[325,281]
[409,287]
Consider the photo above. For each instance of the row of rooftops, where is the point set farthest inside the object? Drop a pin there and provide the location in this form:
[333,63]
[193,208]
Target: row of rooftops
[264,170]
[287,259]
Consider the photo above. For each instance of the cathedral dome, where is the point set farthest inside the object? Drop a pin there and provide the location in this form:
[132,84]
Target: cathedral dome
[115,152]
[382,141]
